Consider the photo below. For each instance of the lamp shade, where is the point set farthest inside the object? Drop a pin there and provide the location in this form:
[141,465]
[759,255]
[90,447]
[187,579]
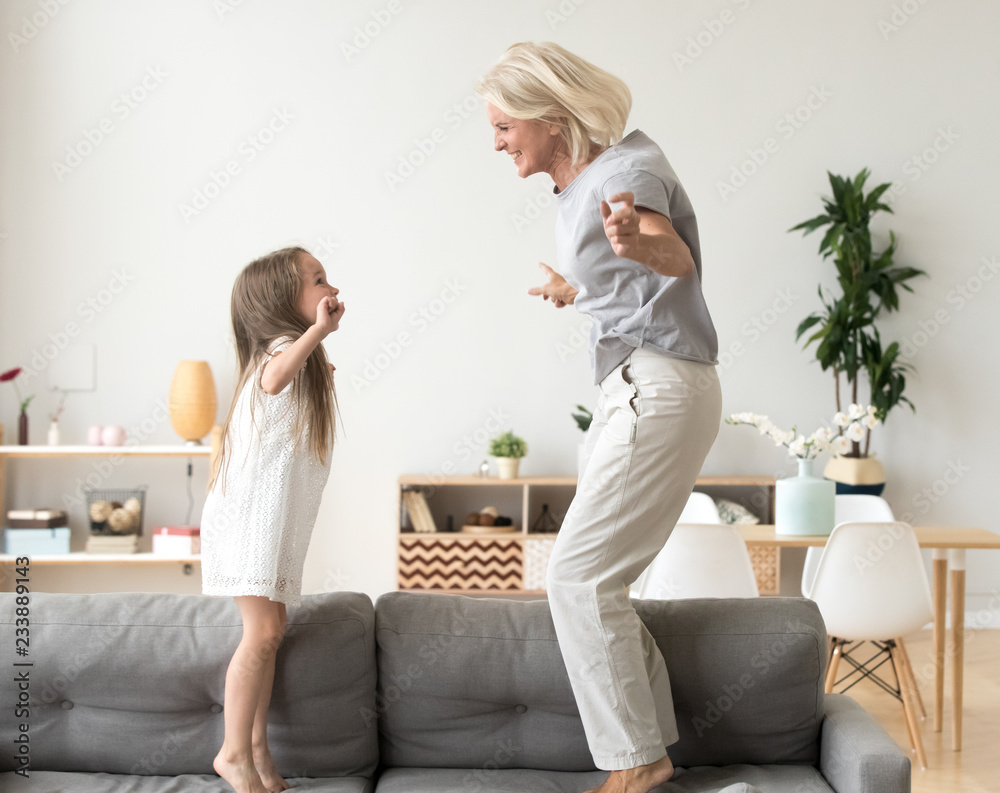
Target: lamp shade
[192,403]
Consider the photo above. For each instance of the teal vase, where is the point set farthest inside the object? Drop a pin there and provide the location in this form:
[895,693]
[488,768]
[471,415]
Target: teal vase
[803,504]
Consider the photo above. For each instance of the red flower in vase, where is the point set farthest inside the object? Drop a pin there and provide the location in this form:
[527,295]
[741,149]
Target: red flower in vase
[10,376]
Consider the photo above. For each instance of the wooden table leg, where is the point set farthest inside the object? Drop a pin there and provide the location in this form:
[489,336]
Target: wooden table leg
[940,604]
[956,560]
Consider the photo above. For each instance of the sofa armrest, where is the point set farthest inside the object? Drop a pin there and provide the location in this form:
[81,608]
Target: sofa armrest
[856,753]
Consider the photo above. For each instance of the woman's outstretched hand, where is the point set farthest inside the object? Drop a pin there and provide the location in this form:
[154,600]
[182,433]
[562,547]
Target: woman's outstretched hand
[556,288]
[622,225]
[328,316]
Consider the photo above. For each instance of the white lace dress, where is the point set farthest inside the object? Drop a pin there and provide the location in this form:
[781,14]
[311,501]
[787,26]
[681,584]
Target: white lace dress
[254,538]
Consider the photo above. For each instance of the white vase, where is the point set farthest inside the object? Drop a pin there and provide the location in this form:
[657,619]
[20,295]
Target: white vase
[804,504]
[54,433]
[508,467]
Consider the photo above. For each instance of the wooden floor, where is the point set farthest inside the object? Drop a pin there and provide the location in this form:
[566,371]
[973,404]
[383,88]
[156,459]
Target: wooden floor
[975,769]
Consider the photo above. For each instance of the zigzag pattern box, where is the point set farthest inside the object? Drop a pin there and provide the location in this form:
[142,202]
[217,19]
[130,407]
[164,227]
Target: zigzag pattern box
[460,563]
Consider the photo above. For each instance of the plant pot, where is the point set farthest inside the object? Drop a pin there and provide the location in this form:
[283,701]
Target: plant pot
[861,475]
[803,504]
[508,467]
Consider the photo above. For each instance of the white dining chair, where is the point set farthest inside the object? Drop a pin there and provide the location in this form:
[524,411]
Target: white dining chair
[700,560]
[699,508]
[846,507]
[871,586]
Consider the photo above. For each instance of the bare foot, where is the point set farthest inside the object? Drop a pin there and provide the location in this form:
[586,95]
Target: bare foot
[640,779]
[268,775]
[241,774]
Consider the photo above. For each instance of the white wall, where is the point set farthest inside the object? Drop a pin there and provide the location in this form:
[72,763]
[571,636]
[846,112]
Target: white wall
[894,76]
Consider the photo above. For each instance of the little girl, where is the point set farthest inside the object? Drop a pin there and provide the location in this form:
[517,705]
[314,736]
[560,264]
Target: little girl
[266,484]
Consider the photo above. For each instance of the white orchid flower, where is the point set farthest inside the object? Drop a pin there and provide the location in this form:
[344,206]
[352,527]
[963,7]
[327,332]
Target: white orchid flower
[841,420]
[855,411]
[855,432]
[840,445]
[870,421]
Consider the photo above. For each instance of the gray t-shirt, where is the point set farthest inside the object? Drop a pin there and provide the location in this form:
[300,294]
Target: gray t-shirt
[631,305]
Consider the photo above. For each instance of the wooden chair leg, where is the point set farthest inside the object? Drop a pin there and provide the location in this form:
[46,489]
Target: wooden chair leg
[911,716]
[911,677]
[831,672]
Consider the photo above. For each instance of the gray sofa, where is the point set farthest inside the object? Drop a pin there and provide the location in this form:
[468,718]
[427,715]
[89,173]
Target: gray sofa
[418,693]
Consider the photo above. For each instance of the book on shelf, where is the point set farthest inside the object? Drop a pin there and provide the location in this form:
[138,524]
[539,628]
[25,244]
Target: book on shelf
[122,543]
[420,513]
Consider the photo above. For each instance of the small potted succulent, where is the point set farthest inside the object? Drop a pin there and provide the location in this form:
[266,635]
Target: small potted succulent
[508,449]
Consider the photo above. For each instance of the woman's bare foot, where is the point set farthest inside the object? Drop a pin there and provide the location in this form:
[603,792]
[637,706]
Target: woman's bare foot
[268,775]
[240,773]
[640,779]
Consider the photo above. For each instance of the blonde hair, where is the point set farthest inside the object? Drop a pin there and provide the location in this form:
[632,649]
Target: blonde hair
[264,308]
[544,82]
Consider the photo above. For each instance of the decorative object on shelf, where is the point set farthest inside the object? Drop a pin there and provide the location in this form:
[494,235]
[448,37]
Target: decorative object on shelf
[113,435]
[53,437]
[10,376]
[486,521]
[94,435]
[43,518]
[849,341]
[484,469]
[192,401]
[545,523]
[115,511]
[177,540]
[732,513]
[508,449]
[29,542]
[803,503]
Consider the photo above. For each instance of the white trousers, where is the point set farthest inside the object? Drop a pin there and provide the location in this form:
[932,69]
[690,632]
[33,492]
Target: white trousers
[656,419]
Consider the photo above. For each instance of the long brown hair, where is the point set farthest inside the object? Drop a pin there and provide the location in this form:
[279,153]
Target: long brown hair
[264,308]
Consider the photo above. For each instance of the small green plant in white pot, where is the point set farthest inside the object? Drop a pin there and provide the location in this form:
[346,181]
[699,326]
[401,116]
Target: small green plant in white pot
[508,449]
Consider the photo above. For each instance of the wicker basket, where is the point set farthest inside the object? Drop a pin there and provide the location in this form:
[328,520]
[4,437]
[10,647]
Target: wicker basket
[121,496]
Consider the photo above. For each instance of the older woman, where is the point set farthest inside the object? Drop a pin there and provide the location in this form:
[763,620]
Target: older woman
[636,271]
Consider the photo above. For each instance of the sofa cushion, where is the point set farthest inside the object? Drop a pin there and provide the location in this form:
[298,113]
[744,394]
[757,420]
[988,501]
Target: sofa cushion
[770,778]
[133,683]
[469,682]
[69,782]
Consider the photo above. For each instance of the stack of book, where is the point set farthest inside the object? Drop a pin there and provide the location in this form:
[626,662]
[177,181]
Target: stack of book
[36,531]
[113,543]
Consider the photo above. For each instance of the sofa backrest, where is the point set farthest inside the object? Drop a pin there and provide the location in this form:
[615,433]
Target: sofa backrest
[473,682]
[133,683]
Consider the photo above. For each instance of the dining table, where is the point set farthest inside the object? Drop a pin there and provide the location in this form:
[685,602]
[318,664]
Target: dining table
[948,545]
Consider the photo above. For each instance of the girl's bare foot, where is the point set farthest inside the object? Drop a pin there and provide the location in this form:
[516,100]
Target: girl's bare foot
[240,773]
[265,767]
[640,779]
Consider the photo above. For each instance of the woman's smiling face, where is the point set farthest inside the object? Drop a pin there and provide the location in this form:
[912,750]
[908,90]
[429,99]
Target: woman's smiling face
[533,145]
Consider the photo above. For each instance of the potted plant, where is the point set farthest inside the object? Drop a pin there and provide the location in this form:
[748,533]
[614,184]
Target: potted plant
[848,340]
[803,504]
[508,449]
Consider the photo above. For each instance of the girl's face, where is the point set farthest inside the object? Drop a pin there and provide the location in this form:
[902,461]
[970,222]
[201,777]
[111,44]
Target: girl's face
[314,287]
[534,146]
